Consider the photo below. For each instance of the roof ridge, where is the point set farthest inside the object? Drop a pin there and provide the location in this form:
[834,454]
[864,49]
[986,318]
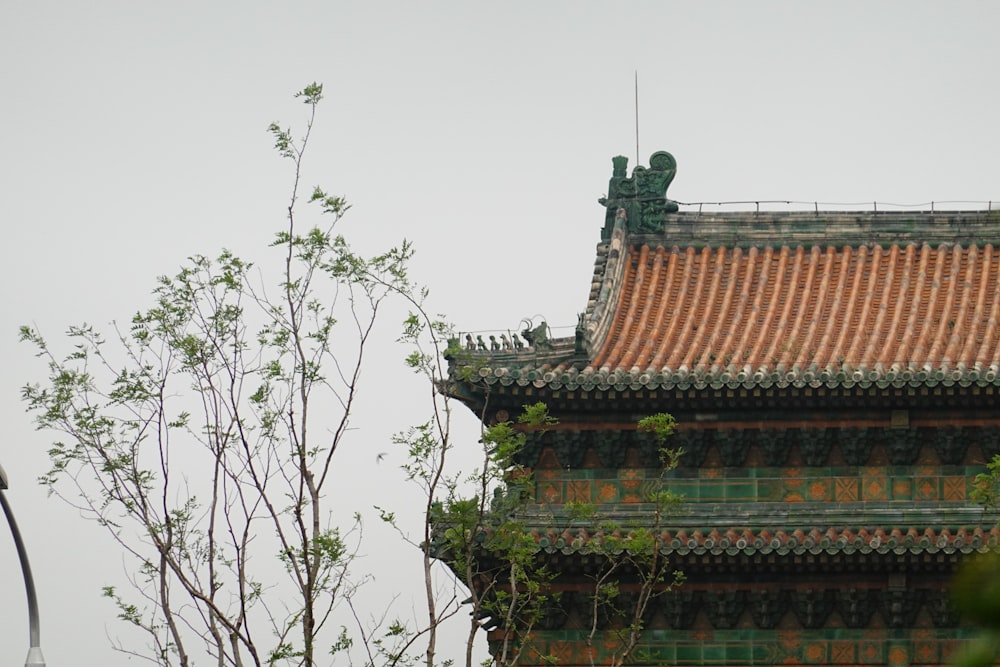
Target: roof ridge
[838,228]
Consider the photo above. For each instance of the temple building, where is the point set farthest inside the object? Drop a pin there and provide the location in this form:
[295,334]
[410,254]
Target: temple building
[835,379]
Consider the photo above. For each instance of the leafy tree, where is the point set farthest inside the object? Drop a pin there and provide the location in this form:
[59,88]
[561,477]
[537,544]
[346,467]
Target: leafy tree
[637,549]
[976,587]
[479,522]
[473,521]
[985,484]
[203,436]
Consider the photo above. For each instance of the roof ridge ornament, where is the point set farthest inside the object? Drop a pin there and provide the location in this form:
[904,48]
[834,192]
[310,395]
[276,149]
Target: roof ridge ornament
[640,200]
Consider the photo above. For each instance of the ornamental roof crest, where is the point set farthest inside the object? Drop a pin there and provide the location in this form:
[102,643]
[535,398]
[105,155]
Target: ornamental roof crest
[640,200]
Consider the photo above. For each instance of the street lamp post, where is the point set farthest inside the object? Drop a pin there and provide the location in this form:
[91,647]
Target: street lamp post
[35,658]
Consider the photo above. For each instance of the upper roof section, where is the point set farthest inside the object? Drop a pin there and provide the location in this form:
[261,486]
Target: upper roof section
[760,299]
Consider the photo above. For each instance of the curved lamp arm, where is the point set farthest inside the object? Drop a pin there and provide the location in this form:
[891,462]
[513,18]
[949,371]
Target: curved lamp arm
[34,658]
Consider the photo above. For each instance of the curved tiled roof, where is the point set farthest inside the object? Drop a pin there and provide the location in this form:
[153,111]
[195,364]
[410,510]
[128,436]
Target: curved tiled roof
[893,312]
[741,300]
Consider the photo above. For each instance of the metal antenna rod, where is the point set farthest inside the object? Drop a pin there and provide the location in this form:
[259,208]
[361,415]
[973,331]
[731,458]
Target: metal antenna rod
[637,117]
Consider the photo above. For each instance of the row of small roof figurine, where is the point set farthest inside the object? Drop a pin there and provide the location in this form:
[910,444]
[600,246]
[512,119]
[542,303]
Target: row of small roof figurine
[505,343]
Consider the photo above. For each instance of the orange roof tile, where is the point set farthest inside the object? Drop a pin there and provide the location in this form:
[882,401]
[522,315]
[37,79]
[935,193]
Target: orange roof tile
[790,310]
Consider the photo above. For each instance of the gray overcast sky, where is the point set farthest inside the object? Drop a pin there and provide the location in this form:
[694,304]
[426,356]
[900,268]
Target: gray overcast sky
[134,137]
